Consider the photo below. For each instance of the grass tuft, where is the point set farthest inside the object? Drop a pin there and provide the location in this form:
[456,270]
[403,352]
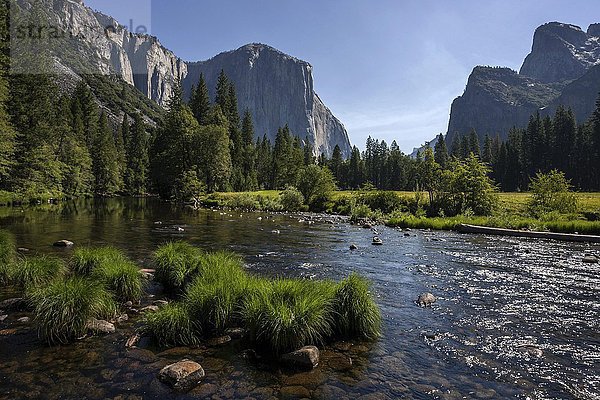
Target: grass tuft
[86,260]
[215,296]
[8,257]
[356,311]
[289,314]
[111,267]
[34,272]
[63,308]
[172,326]
[176,263]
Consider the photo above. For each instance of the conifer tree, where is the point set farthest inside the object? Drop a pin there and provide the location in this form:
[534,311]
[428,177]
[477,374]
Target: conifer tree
[104,160]
[200,102]
[441,151]
[137,157]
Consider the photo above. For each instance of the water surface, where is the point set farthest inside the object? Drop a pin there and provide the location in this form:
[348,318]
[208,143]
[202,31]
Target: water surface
[515,318]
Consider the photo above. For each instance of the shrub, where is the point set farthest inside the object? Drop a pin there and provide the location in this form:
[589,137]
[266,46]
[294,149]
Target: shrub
[176,263]
[63,308]
[316,185]
[356,311]
[214,298]
[551,192]
[8,256]
[173,326]
[292,199]
[384,201]
[242,201]
[33,272]
[289,314]
[360,212]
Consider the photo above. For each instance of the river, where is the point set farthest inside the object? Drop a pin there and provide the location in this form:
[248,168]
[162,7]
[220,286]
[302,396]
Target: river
[515,318]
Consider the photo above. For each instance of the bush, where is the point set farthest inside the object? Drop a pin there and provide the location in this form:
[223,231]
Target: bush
[63,308]
[242,201]
[173,326]
[551,192]
[316,185]
[356,311]
[360,212]
[384,201]
[292,199]
[8,256]
[33,272]
[176,263]
[215,296]
[289,314]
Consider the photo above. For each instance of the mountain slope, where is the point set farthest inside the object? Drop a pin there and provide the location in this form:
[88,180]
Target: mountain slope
[276,88]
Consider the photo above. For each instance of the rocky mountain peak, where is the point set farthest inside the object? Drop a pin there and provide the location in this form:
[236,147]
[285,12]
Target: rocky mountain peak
[562,52]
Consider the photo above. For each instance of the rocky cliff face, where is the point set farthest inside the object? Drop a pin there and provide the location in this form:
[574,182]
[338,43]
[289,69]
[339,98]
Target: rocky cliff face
[275,87]
[563,68]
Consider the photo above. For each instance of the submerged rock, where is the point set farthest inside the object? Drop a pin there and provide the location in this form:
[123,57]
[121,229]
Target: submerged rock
[63,243]
[24,320]
[306,357]
[219,341]
[236,333]
[426,300]
[353,247]
[151,308]
[590,259]
[133,340]
[183,375]
[98,326]
[16,303]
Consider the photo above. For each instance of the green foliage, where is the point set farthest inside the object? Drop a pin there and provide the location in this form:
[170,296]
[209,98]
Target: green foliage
[290,314]
[34,272]
[176,264]
[173,326]
[190,187]
[137,157]
[316,185]
[384,201]
[8,257]
[356,311]
[87,260]
[64,306]
[292,199]
[104,160]
[214,297]
[111,267]
[551,192]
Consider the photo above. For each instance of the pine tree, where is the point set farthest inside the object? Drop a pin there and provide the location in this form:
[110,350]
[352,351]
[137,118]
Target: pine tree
[121,148]
[595,141]
[249,153]
[456,147]
[474,146]
[215,155]
[356,169]
[441,151]
[137,158]
[309,156]
[335,164]
[104,160]
[487,156]
[78,179]
[200,102]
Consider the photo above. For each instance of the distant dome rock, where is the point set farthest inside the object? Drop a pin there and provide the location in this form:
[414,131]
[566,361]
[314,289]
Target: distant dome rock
[594,30]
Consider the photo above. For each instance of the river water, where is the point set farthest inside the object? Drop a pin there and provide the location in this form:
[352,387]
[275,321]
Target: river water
[515,318]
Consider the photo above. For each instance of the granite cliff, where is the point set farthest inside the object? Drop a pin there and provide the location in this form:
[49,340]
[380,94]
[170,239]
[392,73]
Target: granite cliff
[563,68]
[275,87]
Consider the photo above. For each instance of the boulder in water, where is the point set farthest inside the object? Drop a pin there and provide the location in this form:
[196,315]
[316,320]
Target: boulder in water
[63,243]
[183,375]
[98,326]
[426,300]
[306,357]
[590,259]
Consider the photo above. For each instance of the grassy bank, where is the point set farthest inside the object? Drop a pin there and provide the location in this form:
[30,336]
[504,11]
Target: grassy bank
[405,210]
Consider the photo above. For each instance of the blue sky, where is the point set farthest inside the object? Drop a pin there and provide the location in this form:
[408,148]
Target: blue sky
[386,68]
